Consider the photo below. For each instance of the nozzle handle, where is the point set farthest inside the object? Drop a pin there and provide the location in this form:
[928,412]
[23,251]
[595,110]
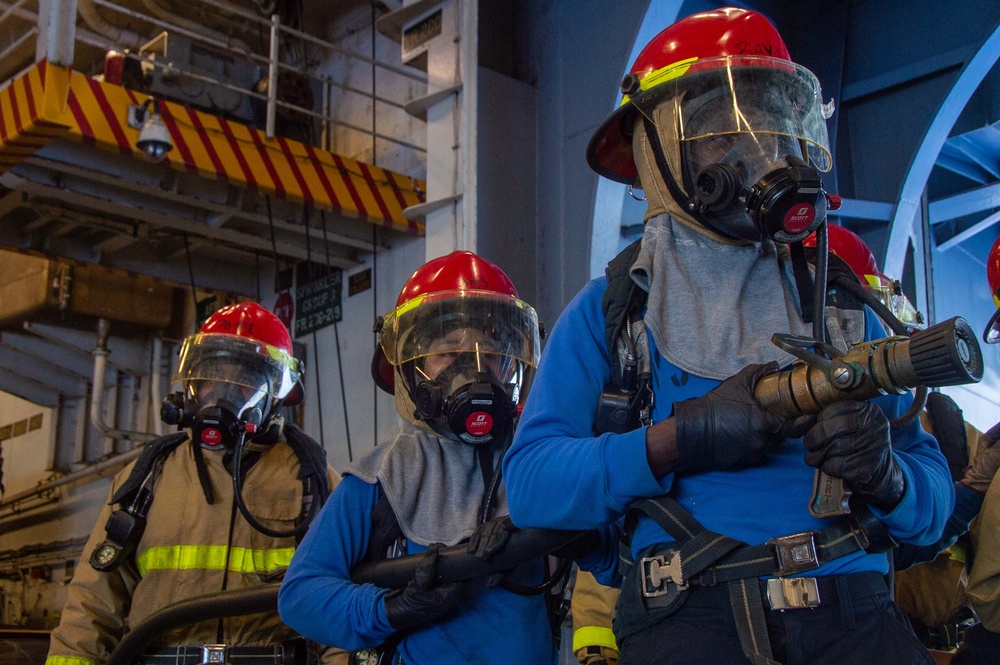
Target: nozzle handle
[830,497]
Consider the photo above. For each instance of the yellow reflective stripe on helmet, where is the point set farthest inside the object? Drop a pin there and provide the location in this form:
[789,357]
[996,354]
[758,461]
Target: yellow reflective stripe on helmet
[596,636]
[412,303]
[662,75]
[70,660]
[213,557]
[282,356]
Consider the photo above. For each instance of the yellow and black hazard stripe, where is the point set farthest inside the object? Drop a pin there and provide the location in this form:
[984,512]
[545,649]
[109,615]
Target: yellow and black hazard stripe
[50,102]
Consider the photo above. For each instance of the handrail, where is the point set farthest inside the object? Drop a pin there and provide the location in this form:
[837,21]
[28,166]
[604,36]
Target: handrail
[236,46]
[256,95]
[9,503]
[414,74]
[13,8]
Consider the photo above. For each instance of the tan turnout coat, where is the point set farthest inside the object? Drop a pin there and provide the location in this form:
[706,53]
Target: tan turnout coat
[186,550]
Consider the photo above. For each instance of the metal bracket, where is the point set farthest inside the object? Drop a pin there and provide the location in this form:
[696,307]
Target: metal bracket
[659,572]
[212,654]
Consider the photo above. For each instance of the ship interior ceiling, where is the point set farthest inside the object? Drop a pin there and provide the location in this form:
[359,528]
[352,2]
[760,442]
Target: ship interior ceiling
[149,174]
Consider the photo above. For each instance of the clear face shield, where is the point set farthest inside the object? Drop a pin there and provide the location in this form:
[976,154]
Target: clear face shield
[465,360]
[891,294]
[752,138]
[774,104]
[230,381]
[991,334]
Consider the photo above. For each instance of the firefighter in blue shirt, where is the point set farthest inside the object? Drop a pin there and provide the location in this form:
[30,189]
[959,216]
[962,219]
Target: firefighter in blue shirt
[459,352]
[721,557]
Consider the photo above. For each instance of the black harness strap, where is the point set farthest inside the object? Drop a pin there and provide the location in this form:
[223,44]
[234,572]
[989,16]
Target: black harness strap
[746,601]
[144,464]
[312,460]
[620,299]
[206,484]
[709,559]
[387,535]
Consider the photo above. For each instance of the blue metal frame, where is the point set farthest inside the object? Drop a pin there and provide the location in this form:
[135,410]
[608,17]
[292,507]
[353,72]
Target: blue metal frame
[909,202]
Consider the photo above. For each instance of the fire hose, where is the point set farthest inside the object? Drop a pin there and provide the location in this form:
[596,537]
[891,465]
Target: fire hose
[454,565]
[239,602]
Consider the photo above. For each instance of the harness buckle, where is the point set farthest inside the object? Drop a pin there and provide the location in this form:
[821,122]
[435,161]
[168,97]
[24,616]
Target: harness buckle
[213,653]
[793,593]
[795,553]
[658,572]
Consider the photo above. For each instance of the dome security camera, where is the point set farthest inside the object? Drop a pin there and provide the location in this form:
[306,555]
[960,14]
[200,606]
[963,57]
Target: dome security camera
[154,138]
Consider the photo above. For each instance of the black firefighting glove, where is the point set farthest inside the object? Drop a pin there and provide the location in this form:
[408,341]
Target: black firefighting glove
[422,601]
[727,428]
[490,537]
[850,440]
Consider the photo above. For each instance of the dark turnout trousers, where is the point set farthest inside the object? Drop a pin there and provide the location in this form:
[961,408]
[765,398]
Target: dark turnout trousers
[856,622]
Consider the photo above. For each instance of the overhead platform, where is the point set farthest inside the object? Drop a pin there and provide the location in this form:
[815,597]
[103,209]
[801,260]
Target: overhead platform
[50,102]
[68,156]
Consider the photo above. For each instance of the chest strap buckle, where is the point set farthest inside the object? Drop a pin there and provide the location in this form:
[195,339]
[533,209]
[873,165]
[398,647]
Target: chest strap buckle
[795,553]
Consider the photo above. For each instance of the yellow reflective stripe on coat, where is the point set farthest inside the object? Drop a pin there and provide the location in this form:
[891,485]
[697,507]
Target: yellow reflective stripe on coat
[597,636]
[213,557]
[70,660]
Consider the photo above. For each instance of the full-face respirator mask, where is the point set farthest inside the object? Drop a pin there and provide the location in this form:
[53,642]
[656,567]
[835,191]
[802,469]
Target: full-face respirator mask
[466,400]
[759,188]
[230,386]
[462,362]
[215,411]
[740,143]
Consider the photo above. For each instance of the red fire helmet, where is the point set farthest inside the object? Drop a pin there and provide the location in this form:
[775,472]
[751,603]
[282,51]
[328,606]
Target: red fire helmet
[721,38]
[246,345]
[445,284]
[991,334]
[852,250]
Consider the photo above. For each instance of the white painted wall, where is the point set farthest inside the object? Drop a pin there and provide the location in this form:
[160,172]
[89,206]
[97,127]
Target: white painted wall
[370,412]
[27,457]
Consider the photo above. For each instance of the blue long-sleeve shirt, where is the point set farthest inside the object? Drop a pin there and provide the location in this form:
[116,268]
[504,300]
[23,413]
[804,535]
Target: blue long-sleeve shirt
[318,599]
[967,505]
[560,475]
